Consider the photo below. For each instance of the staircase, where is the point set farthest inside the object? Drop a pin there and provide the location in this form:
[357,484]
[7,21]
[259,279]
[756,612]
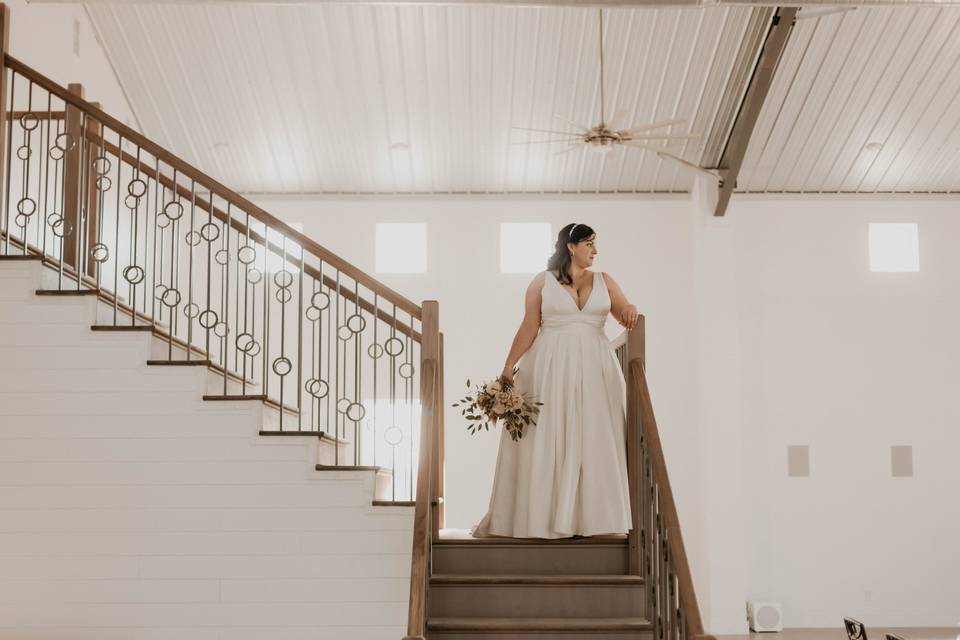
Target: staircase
[504,589]
[220,317]
[215,282]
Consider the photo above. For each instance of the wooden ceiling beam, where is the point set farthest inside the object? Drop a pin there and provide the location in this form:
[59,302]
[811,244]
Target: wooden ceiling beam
[781,25]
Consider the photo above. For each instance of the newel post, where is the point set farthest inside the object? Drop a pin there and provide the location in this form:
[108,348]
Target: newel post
[438,467]
[4,88]
[635,352]
[71,183]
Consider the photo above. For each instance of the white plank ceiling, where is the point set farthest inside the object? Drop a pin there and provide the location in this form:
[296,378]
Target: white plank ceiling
[366,99]
[863,101]
[337,98]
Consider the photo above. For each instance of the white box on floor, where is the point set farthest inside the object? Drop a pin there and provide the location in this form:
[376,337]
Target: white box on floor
[765,616]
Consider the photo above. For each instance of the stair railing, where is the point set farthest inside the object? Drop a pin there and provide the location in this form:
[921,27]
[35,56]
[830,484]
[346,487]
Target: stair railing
[656,549]
[428,517]
[222,282]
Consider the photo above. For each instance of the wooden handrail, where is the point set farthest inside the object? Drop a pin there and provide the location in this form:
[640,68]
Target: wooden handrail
[668,507]
[217,187]
[423,523]
[641,420]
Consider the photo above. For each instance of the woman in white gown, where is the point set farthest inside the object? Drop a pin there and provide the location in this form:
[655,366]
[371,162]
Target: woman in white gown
[567,475]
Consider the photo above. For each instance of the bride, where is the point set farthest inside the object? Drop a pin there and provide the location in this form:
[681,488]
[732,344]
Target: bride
[567,475]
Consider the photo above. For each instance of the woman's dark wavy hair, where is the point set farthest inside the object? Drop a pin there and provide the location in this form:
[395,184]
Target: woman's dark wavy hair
[560,260]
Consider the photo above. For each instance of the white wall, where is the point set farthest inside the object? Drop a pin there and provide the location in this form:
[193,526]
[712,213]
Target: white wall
[645,244]
[42,37]
[849,362]
[765,329]
[131,508]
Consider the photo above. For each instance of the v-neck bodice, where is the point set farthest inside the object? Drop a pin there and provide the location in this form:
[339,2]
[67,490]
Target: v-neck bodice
[559,309]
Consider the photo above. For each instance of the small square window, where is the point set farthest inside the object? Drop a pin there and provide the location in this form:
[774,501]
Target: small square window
[524,247]
[401,247]
[894,247]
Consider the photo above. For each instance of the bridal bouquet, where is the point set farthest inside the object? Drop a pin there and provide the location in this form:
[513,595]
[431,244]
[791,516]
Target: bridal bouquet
[497,400]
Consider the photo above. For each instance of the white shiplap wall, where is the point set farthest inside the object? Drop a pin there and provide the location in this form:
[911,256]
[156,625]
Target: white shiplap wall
[129,509]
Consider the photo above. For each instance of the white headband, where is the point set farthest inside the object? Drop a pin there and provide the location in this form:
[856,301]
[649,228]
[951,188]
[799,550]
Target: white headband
[570,233]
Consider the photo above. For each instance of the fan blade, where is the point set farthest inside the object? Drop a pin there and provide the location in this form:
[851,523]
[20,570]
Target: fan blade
[563,133]
[636,145]
[695,167]
[549,141]
[671,136]
[656,125]
[571,122]
[619,117]
[568,149]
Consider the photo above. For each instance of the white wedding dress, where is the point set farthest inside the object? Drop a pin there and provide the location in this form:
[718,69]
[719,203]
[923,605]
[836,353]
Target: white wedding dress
[567,475]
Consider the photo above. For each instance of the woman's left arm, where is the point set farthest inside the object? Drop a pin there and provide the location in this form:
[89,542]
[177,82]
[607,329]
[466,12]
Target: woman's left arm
[624,312]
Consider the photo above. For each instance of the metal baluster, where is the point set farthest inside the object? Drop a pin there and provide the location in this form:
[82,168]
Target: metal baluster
[6,199]
[205,318]
[300,346]
[191,308]
[45,207]
[266,317]
[172,296]
[100,253]
[408,396]
[246,344]
[155,269]
[337,378]
[83,192]
[329,397]
[357,373]
[377,353]
[393,400]
[133,273]
[23,209]
[41,184]
[116,239]
[225,296]
[281,366]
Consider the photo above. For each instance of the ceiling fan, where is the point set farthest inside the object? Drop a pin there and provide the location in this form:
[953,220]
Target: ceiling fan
[606,135]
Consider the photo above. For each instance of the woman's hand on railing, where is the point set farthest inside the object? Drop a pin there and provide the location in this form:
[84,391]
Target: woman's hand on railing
[628,317]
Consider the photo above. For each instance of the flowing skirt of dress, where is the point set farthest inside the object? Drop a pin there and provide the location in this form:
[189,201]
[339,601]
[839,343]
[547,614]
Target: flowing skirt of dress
[567,475]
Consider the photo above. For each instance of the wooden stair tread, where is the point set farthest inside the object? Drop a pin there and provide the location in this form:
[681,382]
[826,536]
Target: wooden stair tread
[394,503]
[67,292]
[539,624]
[494,541]
[122,327]
[323,435]
[558,579]
[179,363]
[29,256]
[352,467]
